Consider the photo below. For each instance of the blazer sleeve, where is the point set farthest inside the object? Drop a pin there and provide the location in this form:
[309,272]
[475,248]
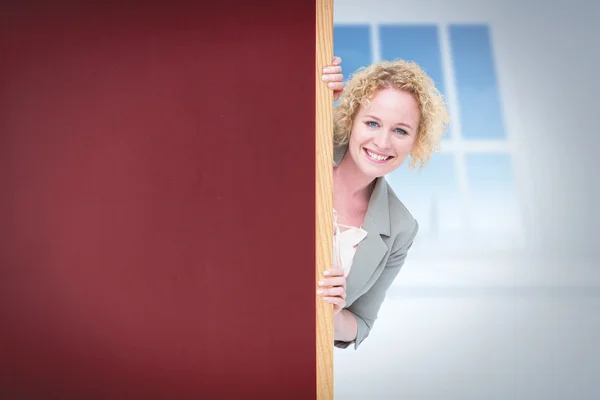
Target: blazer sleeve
[366,307]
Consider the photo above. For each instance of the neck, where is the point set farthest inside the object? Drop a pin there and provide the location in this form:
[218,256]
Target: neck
[350,183]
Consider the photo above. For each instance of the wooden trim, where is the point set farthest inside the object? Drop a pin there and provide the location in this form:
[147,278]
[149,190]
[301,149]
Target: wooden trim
[324,195]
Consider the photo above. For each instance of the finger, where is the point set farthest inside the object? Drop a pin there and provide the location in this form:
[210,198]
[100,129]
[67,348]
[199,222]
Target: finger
[331,282]
[333,292]
[337,308]
[332,70]
[336,271]
[341,303]
[336,85]
[333,78]
[337,60]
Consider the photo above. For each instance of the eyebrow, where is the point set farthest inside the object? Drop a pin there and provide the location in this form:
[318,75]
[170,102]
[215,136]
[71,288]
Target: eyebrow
[398,123]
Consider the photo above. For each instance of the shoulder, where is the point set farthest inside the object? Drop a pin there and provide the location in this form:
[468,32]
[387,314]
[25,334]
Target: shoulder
[403,225]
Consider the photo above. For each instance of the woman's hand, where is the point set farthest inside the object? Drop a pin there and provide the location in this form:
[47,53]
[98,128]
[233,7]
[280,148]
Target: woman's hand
[333,76]
[333,288]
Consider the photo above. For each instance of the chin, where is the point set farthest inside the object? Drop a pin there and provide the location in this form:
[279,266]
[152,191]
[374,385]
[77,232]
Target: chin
[375,173]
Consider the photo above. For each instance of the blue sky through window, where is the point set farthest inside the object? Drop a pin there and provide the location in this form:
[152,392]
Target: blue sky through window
[353,44]
[418,43]
[477,89]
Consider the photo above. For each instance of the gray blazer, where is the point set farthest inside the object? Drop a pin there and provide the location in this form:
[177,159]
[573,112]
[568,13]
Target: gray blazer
[391,230]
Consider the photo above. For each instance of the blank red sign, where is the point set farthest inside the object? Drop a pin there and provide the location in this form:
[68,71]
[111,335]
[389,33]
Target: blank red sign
[157,206]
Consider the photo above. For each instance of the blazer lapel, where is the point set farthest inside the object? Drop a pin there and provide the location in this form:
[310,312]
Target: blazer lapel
[373,248]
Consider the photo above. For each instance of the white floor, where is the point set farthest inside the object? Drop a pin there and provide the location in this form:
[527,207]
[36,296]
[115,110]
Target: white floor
[476,330]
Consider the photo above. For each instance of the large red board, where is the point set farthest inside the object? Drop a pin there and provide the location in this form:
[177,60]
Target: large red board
[157,205]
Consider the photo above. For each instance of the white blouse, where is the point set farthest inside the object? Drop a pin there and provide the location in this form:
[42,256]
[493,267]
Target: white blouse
[345,243]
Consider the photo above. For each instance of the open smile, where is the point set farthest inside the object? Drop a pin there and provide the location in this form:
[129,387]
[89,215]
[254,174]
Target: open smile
[377,158]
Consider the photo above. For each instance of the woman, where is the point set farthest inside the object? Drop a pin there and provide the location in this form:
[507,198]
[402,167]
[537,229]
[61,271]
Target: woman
[386,112]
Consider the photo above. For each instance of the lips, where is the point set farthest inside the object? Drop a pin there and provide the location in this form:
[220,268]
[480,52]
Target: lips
[377,157]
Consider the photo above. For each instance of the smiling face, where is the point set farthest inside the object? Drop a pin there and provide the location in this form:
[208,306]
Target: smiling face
[383,132]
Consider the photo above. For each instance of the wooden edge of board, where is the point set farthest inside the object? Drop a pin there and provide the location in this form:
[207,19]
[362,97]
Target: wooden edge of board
[324,195]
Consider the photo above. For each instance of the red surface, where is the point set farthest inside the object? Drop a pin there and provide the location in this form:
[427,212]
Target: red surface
[157,204]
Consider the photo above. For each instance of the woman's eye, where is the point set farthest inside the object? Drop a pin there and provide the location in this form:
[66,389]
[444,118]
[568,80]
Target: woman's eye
[372,124]
[401,131]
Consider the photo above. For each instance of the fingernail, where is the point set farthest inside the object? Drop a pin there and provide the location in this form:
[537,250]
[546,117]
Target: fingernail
[320,292]
[330,84]
[326,69]
[324,77]
[326,273]
[321,283]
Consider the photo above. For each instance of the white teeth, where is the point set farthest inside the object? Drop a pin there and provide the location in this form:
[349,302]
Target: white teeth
[377,157]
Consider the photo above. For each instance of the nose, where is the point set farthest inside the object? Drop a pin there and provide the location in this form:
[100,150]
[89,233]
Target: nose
[382,139]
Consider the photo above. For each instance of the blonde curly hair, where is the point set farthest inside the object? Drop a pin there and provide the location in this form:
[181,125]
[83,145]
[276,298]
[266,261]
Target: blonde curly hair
[399,74]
